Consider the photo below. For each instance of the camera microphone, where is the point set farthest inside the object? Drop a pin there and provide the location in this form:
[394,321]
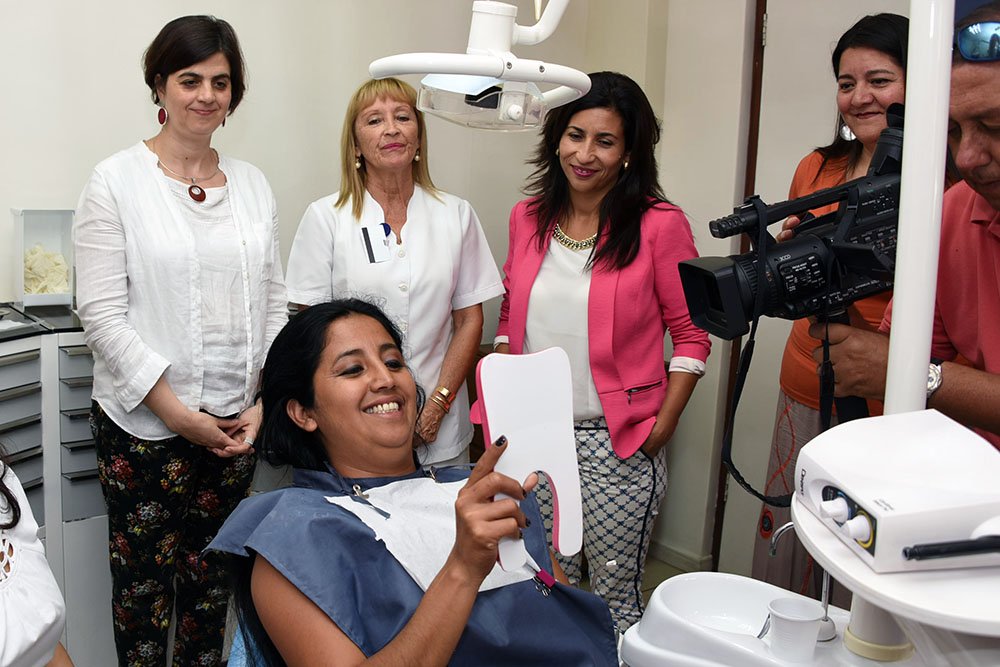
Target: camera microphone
[730,225]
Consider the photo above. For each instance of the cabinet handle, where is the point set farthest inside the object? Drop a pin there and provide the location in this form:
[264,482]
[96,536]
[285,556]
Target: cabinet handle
[32,484]
[76,351]
[26,454]
[81,476]
[76,383]
[79,444]
[12,359]
[79,413]
[23,390]
[18,423]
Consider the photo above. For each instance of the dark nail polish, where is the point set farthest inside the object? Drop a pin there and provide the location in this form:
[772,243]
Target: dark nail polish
[501,441]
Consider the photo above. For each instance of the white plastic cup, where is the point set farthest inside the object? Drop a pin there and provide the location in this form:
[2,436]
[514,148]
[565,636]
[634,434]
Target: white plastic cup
[794,630]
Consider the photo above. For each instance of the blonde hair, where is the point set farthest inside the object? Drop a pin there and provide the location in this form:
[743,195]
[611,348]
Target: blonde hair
[352,179]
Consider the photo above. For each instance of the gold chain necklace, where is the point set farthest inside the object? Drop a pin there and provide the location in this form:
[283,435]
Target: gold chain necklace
[571,243]
[195,191]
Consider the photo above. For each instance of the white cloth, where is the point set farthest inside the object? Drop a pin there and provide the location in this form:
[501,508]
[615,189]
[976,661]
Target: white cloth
[224,340]
[32,611]
[420,529]
[443,264]
[139,285]
[557,317]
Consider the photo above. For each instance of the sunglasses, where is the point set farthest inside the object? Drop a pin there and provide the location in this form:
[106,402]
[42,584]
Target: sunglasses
[979,42]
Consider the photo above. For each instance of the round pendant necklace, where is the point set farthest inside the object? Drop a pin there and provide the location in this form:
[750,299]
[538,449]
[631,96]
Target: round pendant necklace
[573,244]
[195,191]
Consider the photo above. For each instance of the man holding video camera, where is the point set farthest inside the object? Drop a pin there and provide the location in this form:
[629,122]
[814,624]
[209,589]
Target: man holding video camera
[967,309]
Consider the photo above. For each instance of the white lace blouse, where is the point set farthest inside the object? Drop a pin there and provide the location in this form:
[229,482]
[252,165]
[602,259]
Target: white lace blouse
[32,611]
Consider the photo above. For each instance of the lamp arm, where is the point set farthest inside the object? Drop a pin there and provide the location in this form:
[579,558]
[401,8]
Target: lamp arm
[572,83]
[547,24]
[445,63]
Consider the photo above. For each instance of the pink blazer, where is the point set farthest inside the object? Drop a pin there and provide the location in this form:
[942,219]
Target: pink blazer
[629,311]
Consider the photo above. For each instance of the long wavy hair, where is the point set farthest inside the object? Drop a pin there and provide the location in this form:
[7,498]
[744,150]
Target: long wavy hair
[885,33]
[8,501]
[635,191]
[353,179]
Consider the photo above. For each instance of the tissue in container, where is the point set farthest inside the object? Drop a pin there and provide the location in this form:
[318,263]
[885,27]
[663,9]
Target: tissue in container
[44,254]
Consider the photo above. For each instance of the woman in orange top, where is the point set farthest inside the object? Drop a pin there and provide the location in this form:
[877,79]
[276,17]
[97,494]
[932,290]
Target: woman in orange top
[869,63]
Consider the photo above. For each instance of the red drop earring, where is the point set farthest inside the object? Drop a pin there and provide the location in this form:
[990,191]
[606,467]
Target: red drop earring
[161,115]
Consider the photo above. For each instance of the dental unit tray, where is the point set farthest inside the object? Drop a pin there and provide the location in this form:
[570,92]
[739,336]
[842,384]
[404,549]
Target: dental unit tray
[906,492]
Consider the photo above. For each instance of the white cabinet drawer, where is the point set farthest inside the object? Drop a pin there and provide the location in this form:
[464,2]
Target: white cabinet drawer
[19,369]
[21,434]
[78,456]
[75,393]
[75,362]
[18,403]
[81,495]
[74,425]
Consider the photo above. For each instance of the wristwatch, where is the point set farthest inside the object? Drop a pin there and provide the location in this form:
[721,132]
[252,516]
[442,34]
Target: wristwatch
[933,378]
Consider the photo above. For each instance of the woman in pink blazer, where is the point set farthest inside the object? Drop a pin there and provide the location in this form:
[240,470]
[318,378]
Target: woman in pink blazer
[606,291]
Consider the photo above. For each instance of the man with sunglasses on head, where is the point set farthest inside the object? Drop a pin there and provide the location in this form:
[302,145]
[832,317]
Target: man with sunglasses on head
[967,305]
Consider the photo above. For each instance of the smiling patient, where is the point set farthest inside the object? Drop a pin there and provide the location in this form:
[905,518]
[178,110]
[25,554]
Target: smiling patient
[371,557]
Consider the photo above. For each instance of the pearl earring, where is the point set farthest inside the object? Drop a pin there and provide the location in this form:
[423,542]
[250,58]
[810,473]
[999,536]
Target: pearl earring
[357,163]
[416,158]
[845,132]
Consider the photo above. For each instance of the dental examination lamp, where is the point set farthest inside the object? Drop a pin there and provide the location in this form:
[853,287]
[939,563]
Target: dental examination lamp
[488,87]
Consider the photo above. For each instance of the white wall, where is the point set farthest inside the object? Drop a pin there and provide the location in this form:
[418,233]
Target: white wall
[707,84]
[74,94]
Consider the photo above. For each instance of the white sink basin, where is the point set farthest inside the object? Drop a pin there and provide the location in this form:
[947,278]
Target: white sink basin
[711,619]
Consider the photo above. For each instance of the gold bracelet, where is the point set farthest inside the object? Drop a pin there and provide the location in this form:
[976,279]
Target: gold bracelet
[445,394]
[437,400]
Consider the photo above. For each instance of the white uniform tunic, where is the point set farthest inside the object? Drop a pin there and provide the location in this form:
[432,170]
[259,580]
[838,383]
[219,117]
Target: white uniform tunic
[441,264]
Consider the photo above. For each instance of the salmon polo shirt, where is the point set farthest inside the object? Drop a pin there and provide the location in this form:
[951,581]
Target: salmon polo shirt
[967,305]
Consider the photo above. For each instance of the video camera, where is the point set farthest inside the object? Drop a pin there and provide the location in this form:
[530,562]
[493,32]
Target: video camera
[833,261]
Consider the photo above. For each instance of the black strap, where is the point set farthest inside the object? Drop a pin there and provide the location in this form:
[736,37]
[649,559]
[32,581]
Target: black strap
[848,407]
[744,366]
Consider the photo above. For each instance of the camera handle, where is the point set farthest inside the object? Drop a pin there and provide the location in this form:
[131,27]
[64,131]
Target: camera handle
[848,407]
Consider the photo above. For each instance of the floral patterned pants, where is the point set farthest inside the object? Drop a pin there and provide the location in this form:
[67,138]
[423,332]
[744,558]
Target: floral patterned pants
[166,500]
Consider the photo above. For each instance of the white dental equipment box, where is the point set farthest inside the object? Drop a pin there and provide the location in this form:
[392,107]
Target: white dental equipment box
[906,492]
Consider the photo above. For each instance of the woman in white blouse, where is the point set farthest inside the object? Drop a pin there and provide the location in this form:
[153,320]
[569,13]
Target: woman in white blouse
[32,611]
[180,292]
[389,235]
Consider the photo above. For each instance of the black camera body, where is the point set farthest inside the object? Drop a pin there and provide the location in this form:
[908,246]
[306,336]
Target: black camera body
[833,261]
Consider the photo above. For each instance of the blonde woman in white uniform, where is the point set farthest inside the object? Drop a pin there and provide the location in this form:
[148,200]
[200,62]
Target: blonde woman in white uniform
[389,234]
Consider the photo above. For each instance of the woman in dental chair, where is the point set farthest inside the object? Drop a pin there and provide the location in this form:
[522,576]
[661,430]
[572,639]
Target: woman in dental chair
[368,556]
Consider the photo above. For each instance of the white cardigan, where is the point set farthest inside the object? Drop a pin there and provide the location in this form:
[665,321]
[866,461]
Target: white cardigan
[138,284]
